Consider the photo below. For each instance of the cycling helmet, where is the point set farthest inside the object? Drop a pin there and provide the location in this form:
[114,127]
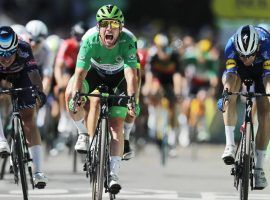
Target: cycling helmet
[18,29]
[246,40]
[8,41]
[79,29]
[36,29]
[161,40]
[110,12]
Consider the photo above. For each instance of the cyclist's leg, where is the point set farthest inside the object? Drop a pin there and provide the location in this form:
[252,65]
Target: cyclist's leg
[4,147]
[33,137]
[79,120]
[262,139]
[129,123]
[232,82]
[28,112]
[116,125]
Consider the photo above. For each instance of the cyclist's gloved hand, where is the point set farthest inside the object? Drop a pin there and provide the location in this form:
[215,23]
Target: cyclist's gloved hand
[220,104]
[132,105]
[42,98]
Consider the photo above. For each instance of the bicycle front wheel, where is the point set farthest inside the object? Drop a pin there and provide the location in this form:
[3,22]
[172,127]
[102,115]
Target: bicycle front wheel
[102,142]
[20,156]
[244,180]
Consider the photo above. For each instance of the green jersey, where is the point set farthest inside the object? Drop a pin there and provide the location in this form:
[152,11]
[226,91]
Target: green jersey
[93,54]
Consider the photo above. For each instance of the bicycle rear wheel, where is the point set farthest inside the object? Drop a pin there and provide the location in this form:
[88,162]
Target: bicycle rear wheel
[100,167]
[245,176]
[21,158]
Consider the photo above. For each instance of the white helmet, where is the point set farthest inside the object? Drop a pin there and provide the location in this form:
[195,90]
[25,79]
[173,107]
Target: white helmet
[36,29]
[246,40]
[19,29]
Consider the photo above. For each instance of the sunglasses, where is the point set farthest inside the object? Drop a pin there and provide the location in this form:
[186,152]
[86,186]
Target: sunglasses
[112,23]
[7,54]
[247,56]
[37,41]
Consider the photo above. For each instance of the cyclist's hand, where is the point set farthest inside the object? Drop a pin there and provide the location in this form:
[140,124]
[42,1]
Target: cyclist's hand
[42,98]
[132,106]
[75,102]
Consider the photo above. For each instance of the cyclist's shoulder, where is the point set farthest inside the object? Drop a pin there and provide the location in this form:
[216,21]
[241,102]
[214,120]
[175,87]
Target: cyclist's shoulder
[91,35]
[126,33]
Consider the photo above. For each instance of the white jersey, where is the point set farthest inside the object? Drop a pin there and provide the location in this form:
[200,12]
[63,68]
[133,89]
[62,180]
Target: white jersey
[45,60]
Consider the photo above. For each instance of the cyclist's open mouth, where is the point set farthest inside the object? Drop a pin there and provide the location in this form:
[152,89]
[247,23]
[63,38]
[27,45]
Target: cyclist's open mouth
[109,38]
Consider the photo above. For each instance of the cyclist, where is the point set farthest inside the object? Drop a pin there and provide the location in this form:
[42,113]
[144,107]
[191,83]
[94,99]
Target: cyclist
[64,68]
[248,56]
[107,56]
[38,32]
[17,66]
[129,120]
[163,78]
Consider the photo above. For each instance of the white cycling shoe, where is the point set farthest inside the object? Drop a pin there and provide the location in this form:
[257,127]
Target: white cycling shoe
[40,180]
[228,155]
[4,149]
[260,179]
[82,144]
[114,185]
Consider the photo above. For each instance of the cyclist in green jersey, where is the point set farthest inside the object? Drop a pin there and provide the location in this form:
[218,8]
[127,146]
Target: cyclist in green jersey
[107,56]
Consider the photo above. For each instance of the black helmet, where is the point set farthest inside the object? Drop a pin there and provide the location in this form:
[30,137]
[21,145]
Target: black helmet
[8,41]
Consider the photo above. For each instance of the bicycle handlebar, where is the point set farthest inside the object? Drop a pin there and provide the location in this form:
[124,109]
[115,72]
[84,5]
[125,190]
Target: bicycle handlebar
[11,91]
[226,94]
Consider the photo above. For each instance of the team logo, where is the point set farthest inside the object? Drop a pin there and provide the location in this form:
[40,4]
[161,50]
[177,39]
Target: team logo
[245,38]
[132,56]
[266,65]
[118,59]
[230,63]
[82,57]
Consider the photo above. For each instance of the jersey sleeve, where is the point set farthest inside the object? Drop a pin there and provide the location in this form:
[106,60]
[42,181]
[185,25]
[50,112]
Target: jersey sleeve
[84,56]
[30,62]
[130,56]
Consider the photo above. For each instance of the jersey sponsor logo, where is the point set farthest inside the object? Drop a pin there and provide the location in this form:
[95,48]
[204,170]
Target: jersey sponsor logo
[119,59]
[107,68]
[132,56]
[230,63]
[266,65]
[82,57]
[31,62]
[23,54]
[130,46]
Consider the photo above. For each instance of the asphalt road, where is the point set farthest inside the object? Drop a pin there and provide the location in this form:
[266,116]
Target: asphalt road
[185,177]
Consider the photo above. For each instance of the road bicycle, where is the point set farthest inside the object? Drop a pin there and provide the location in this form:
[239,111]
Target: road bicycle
[244,165]
[20,156]
[97,162]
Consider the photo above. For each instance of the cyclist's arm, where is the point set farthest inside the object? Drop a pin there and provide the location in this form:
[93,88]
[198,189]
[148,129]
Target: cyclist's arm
[60,64]
[79,76]
[132,81]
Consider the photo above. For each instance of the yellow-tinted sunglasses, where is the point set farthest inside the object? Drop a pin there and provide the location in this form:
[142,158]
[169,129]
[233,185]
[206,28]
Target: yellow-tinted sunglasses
[113,23]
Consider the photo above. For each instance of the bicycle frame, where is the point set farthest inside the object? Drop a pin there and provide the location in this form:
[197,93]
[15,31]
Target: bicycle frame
[97,164]
[20,155]
[244,165]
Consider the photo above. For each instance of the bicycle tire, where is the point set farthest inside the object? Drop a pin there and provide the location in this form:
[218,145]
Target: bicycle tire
[102,142]
[21,158]
[244,181]
[92,167]
[3,168]
[164,150]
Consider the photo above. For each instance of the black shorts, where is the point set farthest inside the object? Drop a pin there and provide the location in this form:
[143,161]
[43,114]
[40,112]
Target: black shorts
[21,80]
[254,73]
[116,83]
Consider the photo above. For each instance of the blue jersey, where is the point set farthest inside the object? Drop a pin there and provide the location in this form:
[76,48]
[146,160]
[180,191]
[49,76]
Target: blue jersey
[262,59]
